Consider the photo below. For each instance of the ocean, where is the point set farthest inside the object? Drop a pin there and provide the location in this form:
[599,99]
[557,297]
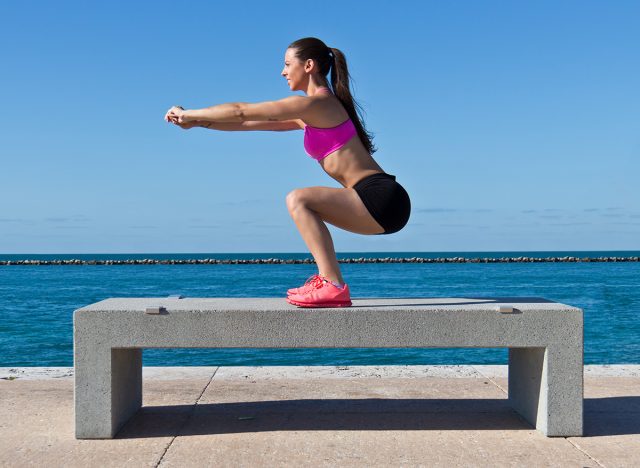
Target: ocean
[37,301]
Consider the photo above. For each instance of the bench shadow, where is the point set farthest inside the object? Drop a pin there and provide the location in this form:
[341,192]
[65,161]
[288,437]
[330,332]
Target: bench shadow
[602,416]
[318,414]
[610,416]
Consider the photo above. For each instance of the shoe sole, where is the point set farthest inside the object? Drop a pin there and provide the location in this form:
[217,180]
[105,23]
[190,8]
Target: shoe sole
[319,305]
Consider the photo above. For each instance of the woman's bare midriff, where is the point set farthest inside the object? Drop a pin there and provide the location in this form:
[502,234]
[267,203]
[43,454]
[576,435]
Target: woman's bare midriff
[350,164]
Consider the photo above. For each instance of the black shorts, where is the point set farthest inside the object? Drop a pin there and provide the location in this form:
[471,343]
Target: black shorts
[386,200]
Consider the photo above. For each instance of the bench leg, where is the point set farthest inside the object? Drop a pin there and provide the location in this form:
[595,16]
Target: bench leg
[546,388]
[108,390]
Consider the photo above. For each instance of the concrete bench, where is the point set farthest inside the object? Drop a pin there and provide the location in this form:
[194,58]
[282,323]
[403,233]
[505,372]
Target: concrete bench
[545,341]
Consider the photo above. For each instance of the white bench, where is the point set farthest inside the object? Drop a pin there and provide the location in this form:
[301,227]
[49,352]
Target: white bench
[545,341]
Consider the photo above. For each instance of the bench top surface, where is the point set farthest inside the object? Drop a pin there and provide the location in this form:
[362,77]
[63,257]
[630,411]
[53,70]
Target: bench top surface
[193,304]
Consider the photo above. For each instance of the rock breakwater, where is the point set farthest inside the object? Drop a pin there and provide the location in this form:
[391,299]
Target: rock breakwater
[284,261]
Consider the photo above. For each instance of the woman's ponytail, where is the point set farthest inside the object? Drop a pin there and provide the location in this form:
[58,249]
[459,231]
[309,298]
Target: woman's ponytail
[340,81]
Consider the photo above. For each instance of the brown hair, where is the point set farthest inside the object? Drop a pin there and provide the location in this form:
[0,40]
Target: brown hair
[329,58]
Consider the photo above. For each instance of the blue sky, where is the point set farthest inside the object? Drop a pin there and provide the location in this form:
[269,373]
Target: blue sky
[513,125]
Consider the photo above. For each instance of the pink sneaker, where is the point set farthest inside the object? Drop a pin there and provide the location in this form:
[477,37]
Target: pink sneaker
[322,293]
[302,289]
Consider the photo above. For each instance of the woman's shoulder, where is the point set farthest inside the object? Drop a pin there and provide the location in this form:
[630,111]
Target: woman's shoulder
[328,114]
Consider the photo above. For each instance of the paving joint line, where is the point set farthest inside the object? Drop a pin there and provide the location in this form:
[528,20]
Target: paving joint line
[577,447]
[574,445]
[580,449]
[491,380]
[186,421]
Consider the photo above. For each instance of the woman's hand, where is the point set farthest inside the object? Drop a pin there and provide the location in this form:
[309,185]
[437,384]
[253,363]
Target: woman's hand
[173,114]
[176,115]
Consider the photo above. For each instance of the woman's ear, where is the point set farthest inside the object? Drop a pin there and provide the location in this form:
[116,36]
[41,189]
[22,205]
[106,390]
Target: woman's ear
[309,65]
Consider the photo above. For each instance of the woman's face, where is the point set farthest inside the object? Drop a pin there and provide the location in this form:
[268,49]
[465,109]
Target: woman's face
[294,71]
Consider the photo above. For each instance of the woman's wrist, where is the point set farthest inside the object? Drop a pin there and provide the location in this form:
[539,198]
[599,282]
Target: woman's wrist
[187,116]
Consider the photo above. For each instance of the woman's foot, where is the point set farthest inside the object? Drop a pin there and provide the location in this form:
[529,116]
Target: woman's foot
[322,293]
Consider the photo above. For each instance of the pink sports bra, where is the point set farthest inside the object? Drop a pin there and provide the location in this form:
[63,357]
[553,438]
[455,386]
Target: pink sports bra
[320,142]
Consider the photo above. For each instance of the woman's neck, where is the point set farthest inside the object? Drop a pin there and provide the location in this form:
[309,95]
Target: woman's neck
[322,90]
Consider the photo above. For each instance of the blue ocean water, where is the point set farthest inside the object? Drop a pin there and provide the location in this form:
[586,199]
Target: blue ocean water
[37,302]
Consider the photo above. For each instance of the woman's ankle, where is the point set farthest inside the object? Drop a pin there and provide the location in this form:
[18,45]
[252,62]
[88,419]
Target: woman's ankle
[337,281]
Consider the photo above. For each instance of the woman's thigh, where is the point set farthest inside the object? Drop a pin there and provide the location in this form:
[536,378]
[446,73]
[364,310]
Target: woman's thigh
[341,207]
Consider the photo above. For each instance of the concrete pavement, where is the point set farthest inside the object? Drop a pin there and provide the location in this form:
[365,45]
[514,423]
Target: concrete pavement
[318,416]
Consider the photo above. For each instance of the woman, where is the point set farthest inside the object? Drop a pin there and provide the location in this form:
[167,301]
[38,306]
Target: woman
[370,202]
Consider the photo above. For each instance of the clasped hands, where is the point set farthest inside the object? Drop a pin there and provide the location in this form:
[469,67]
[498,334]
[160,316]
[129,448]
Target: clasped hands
[176,115]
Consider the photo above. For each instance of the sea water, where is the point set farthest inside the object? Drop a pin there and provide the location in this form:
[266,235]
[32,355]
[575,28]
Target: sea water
[37,302]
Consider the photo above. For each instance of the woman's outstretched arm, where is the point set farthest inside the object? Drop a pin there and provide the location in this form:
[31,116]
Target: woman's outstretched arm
[290,108]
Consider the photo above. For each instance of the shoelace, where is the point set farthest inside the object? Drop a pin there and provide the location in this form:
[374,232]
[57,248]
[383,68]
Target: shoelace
[317,282]
[308,284]
[311,279]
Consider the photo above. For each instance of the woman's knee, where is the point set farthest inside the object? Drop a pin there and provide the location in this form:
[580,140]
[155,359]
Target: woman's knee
[297,199]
